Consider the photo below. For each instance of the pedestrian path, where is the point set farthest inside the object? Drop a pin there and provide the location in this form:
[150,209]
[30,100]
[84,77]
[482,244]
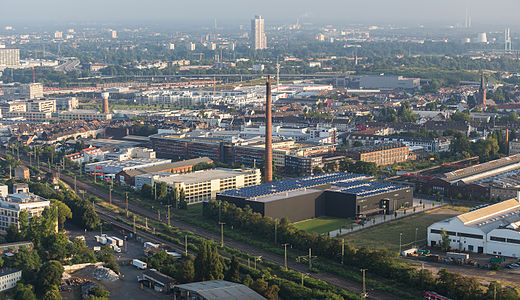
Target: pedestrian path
[420,205]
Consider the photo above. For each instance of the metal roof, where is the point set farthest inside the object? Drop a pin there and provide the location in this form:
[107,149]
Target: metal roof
[283,186]
[220,290]
[487,214]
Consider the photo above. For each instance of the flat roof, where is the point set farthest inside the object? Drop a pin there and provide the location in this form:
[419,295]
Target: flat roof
[221,290]
[283,186]
[204,175]
[289,194]
[172,165]
[367,188]
[129,163]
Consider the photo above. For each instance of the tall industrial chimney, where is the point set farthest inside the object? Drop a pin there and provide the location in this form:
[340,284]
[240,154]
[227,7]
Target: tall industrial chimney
[106,109]
[268,161]
[507,141]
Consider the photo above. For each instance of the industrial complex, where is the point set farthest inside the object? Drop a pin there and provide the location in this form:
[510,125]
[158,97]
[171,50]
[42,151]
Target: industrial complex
[494,229]
[335,194]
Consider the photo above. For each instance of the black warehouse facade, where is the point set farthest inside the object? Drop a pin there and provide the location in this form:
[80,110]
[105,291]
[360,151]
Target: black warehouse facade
[341,195]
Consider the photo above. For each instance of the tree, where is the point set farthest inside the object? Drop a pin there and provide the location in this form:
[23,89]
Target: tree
[99,292]
[272,292]
[147,190]
[208,264]
[49,276]
[25,259]
[64,212]
[24,292]
[496,291]
[248,281]
[161,190]
[56,246]
[186,272]
[260,286]
[233,271]
[182,199]
[52,294]
[445,243]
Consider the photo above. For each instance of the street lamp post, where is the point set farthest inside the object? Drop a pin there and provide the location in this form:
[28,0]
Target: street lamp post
[364,295]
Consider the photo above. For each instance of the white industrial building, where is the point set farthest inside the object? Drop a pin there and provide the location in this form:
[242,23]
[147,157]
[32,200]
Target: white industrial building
[494,229]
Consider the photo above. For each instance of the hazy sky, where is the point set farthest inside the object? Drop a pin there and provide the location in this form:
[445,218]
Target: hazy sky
[442,12]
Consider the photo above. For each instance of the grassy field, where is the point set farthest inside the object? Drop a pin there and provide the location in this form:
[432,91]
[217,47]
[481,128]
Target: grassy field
[322,225]
[387,235]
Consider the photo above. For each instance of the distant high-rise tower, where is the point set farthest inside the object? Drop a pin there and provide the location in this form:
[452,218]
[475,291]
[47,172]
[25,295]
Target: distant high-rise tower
[106,109]
[507,39]
[482,90]
[258,38]
[468,17]
[268,161]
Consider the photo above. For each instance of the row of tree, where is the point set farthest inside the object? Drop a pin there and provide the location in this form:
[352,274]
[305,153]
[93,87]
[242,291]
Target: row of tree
[380,262]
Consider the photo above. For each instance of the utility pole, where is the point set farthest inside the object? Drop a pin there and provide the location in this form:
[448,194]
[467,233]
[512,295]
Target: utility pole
[285,255]
[275,230]
[310,259]
[158,214]
[400,245]
[110,194]
[134,227]
[221,233]
[168,215]
[342,250]
[415,243]
[186,245]
[75,186]
[146,223]
[364,295]
[126,196]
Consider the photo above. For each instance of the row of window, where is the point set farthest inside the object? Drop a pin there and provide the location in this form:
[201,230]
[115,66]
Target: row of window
[500,239]
[453,233]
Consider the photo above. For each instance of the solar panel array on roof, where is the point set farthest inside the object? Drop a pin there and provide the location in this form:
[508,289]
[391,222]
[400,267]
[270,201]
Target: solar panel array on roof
[365,188]
[293,184]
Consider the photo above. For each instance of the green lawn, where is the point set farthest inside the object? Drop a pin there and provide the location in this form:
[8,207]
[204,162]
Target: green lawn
[322,225]
[387,235]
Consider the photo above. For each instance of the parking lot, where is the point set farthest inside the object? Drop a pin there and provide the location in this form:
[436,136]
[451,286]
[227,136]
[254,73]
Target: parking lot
[127,286]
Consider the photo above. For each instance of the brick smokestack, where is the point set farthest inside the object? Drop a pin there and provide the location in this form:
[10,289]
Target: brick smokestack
[268,161]
[106,109]
[507,141]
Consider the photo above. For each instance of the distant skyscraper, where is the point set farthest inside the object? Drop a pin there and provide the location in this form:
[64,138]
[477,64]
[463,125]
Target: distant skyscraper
[113,34]
[468,16]
[258,38]
[507,39]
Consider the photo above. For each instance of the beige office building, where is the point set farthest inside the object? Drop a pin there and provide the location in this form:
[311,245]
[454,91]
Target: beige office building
[204,185]
[9,57]
[258,38]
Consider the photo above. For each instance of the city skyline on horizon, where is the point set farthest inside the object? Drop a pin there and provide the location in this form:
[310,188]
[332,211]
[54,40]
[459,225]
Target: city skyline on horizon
[442,12]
